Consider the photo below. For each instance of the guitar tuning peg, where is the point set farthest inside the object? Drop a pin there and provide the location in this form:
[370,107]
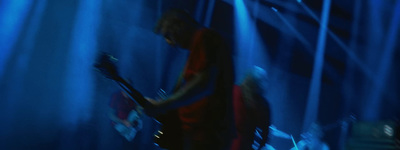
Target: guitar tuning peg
[156,136]
[160,132]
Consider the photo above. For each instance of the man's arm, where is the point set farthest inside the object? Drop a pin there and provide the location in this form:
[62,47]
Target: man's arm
[201,85]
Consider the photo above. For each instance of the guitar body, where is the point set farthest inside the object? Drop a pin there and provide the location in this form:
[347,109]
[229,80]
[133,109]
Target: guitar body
[170,136]
[129,133]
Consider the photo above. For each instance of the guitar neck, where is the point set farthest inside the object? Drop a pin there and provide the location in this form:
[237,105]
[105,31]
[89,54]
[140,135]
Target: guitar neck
[134,94]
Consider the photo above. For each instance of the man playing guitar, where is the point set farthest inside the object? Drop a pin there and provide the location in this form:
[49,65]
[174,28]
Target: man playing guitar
[203,100]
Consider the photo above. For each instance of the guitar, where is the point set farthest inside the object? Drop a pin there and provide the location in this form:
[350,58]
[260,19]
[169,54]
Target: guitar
[170,135]
[129,133]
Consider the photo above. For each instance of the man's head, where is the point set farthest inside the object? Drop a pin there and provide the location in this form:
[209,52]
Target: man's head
[254,87]
[177,27]
[256,80]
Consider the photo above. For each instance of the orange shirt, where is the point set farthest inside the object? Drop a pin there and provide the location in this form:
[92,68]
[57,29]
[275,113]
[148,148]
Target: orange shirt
[194,114]
[203,54]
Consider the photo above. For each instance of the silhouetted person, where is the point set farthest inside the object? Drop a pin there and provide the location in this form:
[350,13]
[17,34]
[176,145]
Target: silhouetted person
[251,109]
[203,93]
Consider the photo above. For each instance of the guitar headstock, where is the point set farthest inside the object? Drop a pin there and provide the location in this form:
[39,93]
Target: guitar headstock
[105,63]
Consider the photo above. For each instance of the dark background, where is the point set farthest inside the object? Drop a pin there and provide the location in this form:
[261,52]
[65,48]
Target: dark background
[52,98]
